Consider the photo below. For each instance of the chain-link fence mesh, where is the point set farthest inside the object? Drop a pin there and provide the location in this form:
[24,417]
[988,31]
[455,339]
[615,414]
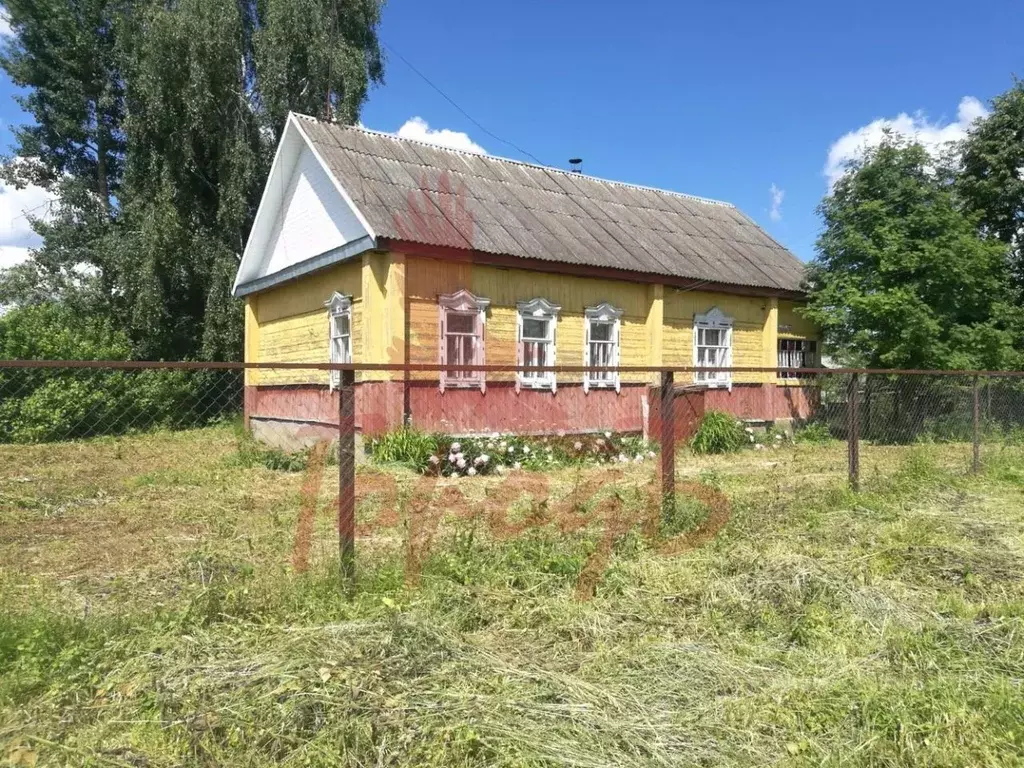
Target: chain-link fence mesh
[417,445]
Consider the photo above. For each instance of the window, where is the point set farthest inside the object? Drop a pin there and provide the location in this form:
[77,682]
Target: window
[537,324]
[339,310]
[462,317]
[797,353]
[712,348]
[601,346]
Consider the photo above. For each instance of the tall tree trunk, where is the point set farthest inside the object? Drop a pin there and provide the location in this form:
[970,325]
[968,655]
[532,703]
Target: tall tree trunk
[102,183]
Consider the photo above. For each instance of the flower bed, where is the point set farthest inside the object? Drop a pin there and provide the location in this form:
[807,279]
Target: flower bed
[498,453]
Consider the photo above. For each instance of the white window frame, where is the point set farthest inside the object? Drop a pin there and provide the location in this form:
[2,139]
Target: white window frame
[602,313]
[713,320]
[338,306]
[463,302]
[536,309]
[808,356]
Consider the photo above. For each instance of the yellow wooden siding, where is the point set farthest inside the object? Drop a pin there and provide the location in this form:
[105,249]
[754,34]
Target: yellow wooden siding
[291,323]
[796,326]
[749,314]
[428,278]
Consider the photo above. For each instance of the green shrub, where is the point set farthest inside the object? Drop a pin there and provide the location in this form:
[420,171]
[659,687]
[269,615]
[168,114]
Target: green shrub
[718,432]
[815,433]
[407,446]
[47,404]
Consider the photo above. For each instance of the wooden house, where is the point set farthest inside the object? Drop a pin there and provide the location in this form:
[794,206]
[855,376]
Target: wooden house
[372,248]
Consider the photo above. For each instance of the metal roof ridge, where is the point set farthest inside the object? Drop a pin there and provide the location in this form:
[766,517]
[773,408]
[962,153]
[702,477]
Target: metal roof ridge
[613,182]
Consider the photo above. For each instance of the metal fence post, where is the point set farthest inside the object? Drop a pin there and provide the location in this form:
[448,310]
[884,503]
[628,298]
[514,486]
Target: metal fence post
[347,476]
[976,458]
[668,442]
[853,430]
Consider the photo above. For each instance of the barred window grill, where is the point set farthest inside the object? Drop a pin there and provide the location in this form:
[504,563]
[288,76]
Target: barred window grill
[796,353]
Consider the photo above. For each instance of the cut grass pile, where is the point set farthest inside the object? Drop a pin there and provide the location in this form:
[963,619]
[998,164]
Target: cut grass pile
[150,616]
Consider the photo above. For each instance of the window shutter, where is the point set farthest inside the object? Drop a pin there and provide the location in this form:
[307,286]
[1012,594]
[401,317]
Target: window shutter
[519,350]
[615,355]
[442,355]
[728,356]
[554,347]
[586,353]
[479,357]
[332,376]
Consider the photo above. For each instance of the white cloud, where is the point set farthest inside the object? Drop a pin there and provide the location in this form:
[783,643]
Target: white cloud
[16,235]
[5,23]
[417,128]
[11,255]
[934,136]
[777,195]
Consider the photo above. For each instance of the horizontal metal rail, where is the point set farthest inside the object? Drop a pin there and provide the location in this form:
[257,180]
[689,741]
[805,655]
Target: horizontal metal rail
[436,367]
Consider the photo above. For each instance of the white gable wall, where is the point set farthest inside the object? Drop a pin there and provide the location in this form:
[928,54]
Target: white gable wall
[304,221]
[313,217]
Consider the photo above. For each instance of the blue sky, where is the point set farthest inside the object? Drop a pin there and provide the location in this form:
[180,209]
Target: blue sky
[723,100]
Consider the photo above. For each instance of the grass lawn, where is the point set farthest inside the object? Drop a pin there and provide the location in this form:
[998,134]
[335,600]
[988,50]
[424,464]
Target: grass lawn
[150,616]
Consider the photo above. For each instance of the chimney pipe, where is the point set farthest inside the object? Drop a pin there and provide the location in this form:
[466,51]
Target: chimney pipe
[576,164]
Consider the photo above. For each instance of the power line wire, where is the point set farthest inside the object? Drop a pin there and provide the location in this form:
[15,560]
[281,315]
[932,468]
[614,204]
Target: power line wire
[468,116]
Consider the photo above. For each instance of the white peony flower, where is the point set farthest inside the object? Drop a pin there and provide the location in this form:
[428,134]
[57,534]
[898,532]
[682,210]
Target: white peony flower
[623,458]
[578,445]
[511,449]
[651,454]
[639,459]
[460,455]
[433,459]
[758,447]
[526,450]
[600,441]
[456,447]
[778,437]
[500,469]
[470,471]
[461,463]
[495,435]
[451,458]
[608,435]
[517,465]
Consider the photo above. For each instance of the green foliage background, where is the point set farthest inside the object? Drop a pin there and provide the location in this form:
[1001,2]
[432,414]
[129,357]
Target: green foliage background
[918,264]
[154,123]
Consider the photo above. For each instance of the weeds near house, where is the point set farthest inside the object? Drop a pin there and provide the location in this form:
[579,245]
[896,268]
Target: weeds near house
[815,433]
[406,446]
[718,432]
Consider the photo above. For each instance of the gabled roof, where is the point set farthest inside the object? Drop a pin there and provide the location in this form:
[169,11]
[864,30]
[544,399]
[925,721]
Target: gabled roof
[410,191]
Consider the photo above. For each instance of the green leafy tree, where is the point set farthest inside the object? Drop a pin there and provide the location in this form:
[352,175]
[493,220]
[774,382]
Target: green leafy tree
[902,278]
[991,179]
[64,52]
[168,114]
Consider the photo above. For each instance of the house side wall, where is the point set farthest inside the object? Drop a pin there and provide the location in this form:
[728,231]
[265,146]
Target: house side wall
[792,324]
[426,279]
[289,324]
[752,329]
